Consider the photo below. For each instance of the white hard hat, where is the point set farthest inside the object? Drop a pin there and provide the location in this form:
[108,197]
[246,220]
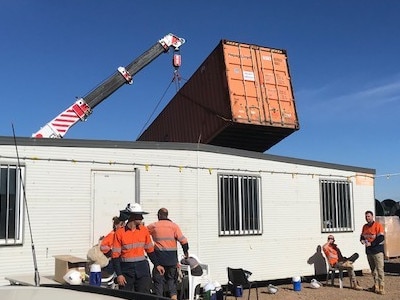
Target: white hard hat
[217,285]
[272,289]
[135,208]
[209,287]
[73,277]
[315,284]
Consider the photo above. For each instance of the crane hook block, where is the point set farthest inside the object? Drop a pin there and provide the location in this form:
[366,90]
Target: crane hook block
[177,60]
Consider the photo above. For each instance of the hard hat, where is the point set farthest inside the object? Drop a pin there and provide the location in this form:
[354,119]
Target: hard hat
[272,289]
[217,285]
[73,277]
[315,284]
[209,287]
[135,208]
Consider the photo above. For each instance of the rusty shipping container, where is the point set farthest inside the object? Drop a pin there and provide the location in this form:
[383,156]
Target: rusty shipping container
[240,97]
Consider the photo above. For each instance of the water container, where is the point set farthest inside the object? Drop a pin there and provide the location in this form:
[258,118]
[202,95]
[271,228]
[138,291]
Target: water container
[296,283]
[219,294]
[239,291]
[95,275]
[213,295]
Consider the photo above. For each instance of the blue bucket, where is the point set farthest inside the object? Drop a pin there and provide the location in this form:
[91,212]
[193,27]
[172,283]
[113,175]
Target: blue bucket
[296,283]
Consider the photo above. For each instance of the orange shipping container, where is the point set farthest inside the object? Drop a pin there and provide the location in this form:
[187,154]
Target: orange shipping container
[240,97]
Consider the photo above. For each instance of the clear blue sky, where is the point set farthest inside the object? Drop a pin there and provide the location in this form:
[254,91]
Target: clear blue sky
[344,58]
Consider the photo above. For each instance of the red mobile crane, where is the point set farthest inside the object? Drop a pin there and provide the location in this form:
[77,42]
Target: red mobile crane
[82,108]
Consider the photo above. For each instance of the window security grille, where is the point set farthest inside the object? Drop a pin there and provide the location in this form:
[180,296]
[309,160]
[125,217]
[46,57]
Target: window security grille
[239,205]
[336,205]
[11,205]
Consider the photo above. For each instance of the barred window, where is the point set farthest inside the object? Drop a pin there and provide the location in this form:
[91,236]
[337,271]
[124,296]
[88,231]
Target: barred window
[11,205]
[239,205]
[336,206]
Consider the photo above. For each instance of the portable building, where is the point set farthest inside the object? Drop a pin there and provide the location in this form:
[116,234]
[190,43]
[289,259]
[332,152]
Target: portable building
[240,97]
[265,213]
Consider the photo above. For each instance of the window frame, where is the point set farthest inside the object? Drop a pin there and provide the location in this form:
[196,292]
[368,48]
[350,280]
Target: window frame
[231,220]
[10,201]
[337,205]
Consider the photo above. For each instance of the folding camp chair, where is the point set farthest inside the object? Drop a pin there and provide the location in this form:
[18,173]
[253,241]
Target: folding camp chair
[239,277]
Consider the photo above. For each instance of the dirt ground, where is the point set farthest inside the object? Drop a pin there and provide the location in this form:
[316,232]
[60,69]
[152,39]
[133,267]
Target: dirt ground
[286,292]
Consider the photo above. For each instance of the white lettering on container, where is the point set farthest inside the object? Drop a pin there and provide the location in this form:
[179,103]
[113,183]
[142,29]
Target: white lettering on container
[247,75]
[266,57]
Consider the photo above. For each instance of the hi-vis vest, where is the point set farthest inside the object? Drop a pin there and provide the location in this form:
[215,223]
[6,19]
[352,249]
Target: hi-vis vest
[107,242]
[332,253]
[166,234]
[132,244]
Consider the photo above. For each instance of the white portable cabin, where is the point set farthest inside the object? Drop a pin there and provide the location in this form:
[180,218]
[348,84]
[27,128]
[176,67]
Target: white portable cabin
[265,213]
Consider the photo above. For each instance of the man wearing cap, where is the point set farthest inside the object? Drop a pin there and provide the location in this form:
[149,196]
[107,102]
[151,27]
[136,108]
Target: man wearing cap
[166,234]
[337,260]
[131,244]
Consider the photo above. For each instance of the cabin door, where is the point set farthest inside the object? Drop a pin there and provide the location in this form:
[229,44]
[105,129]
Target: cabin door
[112,191]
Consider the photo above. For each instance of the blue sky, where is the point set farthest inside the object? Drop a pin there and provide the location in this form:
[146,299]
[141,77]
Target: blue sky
[343,57]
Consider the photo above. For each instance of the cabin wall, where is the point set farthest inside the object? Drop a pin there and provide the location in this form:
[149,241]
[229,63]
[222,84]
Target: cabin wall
[60,196]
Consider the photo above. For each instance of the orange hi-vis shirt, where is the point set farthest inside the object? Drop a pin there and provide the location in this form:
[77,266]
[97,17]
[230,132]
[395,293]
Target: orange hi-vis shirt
[371,233]
[332,253]
[166,234]
[107,242]
[130,245]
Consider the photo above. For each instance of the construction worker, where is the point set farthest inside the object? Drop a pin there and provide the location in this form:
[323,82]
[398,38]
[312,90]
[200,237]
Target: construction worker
[106,243]
[131,244]
[372,236]
[337,260]
[166,234]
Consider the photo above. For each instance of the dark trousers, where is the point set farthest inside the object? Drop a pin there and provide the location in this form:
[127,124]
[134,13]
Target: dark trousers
[108,270]
[169,278]
[353,258]
[137,276]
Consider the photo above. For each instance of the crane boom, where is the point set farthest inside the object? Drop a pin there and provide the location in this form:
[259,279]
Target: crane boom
[82,108]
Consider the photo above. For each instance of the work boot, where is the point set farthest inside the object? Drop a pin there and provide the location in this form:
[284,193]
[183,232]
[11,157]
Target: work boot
[381,290]
[356,285]
[374,288]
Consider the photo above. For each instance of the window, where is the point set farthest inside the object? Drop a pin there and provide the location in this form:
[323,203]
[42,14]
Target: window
[239,205]
[11,205]
[336,205]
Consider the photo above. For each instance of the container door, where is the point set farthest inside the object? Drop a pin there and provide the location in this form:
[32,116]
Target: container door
[259,85]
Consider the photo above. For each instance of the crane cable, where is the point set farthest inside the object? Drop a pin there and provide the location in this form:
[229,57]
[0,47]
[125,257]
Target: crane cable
[176,78]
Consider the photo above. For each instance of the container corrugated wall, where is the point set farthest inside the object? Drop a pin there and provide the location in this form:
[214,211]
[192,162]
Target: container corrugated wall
[240,97]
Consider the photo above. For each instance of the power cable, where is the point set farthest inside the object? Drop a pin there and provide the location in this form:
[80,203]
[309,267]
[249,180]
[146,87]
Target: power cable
[37,276]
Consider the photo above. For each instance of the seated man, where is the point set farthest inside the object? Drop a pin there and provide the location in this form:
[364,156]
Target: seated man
[337,260]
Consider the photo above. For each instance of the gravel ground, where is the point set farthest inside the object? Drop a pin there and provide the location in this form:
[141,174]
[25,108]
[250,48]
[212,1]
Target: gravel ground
[286,292]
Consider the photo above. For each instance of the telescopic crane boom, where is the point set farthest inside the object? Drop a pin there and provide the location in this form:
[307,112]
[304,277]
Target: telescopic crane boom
[82,108]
